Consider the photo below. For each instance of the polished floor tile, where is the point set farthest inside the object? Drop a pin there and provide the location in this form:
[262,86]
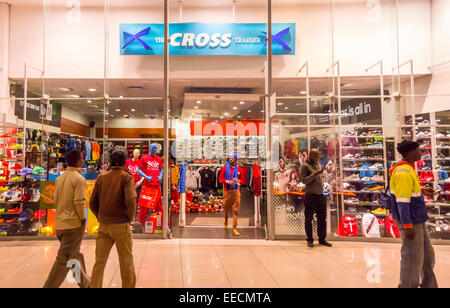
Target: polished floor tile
[222,263]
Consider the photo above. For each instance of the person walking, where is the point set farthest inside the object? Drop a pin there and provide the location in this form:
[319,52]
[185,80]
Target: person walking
[70,223]
[410,213]
[231,177]
[315,201]
[113,202]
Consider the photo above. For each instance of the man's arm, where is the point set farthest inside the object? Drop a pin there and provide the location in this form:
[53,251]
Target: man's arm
[94,201]
[222,177]
[306,176]
[130,198]
[79,198]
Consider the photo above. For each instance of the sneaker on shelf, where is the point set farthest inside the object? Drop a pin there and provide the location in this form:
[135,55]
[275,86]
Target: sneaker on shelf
[348,156]
[351,210]
[353,200]
[36,197]
[16,147]
[2,179]
[353,177]
[378,178]
[3,188]
[377,166]
[17,167]
[16,179]
[379,187]
[14,210]
[366,179]
[380,211]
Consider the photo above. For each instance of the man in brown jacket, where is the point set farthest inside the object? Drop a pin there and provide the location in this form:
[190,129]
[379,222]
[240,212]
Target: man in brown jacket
[113,202]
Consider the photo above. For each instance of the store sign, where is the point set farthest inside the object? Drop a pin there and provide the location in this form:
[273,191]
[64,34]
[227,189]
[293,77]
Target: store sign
[361,110]
[207,39]
[38,111]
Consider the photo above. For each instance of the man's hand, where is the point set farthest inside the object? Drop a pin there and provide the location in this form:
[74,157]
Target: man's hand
[230,182]
[428,191]
[410,234]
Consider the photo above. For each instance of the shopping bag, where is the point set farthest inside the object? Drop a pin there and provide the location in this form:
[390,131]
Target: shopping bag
[150,197]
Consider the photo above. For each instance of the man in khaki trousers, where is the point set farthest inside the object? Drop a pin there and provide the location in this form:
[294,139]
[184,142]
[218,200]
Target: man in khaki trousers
[113,202]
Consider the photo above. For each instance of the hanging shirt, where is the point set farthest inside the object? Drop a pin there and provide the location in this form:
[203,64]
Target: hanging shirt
[192,179]
[133,167]
[207,178]
[88,151]
[150,166]
[175,175]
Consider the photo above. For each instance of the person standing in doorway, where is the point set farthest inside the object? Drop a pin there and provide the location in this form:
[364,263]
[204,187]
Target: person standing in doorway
[231,177]
[315,201]
[113,202]
[70,223]
[410,213]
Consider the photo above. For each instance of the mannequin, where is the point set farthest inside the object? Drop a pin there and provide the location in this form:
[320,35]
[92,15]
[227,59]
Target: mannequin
[133,167]
[151,169]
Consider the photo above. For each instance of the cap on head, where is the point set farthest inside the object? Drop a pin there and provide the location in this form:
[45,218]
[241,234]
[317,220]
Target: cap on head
[406,146]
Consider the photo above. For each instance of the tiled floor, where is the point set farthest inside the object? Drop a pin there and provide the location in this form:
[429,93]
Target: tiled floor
[226,263]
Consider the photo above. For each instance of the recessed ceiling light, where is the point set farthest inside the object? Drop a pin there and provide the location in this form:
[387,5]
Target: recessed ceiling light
[89,101]
[96,106]
[74,96]
[65,89]
[226,114]
[280,104]
[234,108]
[118,110]
[199,102]
[121,96]
[221,117]
[262,110]
[303,92]
[239,117]
[92,90]
[133,110]
[196,107]
[242,103]
[107,113]
[249,111]
[193,113]
[286,108]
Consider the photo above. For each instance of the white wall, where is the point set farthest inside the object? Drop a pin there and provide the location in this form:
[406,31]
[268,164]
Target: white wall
[440,83]
[74,115]
[76,50]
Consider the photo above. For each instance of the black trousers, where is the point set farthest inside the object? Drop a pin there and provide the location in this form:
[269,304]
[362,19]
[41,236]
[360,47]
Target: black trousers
[316,204]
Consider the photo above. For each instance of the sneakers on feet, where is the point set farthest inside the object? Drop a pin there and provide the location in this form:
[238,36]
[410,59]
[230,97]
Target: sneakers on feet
[325,243]
[235,232]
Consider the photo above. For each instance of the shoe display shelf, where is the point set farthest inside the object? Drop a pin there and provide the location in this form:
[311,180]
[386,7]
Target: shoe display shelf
[363,152]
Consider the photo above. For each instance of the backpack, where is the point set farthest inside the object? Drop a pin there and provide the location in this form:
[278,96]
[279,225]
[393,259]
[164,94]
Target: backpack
[391,227]
[370,226]
[347,226]
[386,200]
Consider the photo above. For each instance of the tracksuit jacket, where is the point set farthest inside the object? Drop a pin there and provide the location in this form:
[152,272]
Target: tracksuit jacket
[409,205]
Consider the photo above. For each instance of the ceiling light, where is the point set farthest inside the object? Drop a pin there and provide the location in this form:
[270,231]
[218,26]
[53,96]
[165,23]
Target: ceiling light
[262,110]
[242,103]
[74,96]
[249,111]
[199,102]
[118,110]
[89,101]
[286,108]
[196,107]
[92,90]
[193,113]
[121,96]
[280,104]
[303,92]
[65,89]
[234,108]
[239,117]
[221,117]
[226,114]
[133,110]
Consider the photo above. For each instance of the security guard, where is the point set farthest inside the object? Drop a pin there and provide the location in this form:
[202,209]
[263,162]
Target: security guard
[410,214]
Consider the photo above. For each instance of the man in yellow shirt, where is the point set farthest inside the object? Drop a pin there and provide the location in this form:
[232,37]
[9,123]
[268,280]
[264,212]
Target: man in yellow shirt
[70,223]
[410,213]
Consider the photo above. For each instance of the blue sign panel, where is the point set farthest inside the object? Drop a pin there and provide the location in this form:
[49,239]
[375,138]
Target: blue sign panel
[207,39]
